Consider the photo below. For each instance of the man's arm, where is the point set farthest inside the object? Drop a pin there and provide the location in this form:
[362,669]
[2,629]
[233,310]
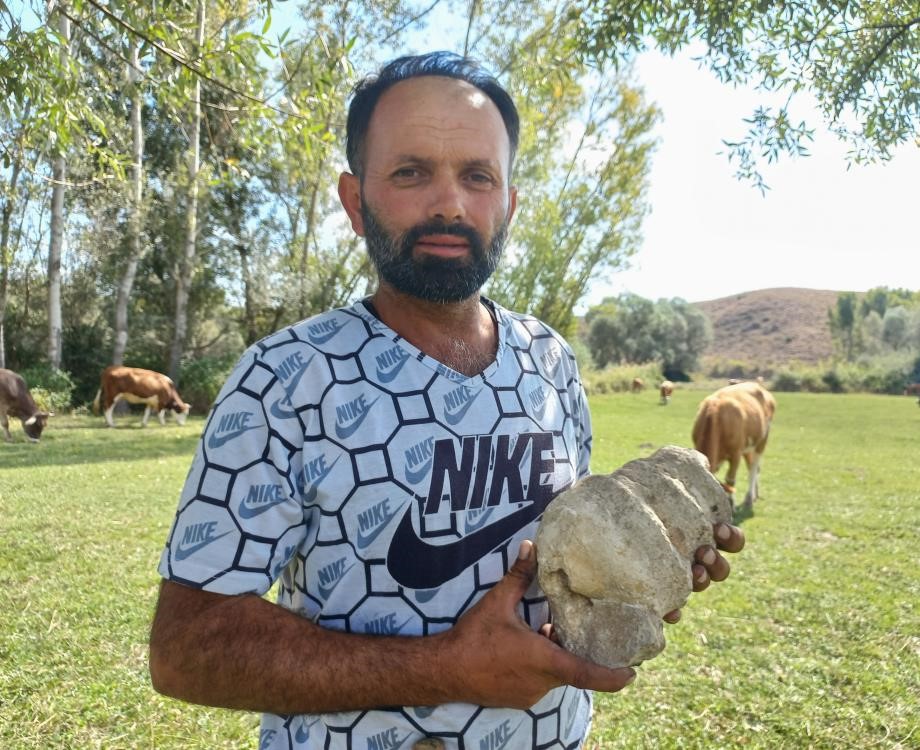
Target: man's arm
[245,652]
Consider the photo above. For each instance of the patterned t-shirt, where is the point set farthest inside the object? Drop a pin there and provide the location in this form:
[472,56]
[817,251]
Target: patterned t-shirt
[388,493]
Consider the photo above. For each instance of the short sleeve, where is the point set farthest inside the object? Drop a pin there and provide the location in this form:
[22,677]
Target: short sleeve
[240,516]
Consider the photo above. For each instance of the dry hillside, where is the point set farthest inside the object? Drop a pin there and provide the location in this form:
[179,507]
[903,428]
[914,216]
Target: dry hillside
[771,326]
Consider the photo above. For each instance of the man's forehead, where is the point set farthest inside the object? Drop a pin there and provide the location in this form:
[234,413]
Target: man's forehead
[440,106]
[439,87]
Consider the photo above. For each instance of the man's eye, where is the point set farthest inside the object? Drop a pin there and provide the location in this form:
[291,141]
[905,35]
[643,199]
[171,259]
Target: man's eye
[406,172]
[481,177]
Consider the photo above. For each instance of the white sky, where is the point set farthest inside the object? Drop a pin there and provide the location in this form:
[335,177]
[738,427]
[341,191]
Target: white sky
[820,226]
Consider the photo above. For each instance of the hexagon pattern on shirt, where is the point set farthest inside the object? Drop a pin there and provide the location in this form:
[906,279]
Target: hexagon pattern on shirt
[387,493]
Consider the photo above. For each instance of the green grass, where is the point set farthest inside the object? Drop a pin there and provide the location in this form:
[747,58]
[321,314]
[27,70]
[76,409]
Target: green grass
[814,641]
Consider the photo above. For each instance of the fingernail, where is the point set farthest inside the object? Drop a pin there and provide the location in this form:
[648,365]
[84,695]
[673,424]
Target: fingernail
[723,532]
[524,551]
[709,557]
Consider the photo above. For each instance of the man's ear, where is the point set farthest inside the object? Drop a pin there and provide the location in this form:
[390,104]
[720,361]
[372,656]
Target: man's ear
[512,203]
[350,196]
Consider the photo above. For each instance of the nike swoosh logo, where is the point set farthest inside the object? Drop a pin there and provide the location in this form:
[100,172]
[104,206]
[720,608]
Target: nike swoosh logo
[480,520]
[324,337]
[251,511]
[457,416]
[326,591]
[387,376]
[349,430]
[551,372]
[444,562]
[183,553]
[310,496]
[216,441]
[364,541]
[282,408]
[423,712]
[417,475]
[303,731]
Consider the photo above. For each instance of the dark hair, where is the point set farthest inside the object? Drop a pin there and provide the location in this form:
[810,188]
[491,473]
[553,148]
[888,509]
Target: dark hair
[368,91]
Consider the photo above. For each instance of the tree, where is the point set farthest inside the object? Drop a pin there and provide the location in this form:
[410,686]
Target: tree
[842,321]
[56,244]
[582,165]
[136,209]
[632,329]
[895,327]
[858,60]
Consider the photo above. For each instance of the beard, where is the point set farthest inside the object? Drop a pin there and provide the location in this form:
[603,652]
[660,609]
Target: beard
[440,280]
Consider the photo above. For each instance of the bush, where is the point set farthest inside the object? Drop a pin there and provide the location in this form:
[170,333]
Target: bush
[51,388]
[619,378]
[200,380]
[878,375]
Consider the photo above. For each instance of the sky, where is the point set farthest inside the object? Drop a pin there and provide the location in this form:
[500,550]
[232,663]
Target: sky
[709,235]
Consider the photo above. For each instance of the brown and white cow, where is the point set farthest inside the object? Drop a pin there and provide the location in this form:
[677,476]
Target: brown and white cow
[16,401]
[136,386]
[665,390]
[638,385]
[731,423]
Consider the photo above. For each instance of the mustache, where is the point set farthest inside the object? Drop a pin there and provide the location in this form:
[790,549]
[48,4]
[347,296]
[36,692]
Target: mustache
[413,235]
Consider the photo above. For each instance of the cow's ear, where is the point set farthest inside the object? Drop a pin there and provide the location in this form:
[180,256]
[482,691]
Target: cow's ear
[46,414]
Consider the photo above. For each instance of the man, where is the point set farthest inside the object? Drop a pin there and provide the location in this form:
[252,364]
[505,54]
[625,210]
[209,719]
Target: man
[389,462]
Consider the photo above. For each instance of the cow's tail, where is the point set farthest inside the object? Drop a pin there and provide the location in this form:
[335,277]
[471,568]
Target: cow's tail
[706,435]
[97,401]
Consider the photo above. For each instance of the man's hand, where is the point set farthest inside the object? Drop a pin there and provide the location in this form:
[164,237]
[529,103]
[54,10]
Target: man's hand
[497,660]
[710,565]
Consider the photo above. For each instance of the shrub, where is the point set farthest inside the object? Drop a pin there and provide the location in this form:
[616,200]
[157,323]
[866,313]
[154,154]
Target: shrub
[200,380]
[51,388]
[619,378]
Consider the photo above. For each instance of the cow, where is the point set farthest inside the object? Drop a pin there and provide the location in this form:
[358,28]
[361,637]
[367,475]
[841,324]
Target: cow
[16,401]
[665,390]
[638,385]
[913,389]
[731,423]
[136,386]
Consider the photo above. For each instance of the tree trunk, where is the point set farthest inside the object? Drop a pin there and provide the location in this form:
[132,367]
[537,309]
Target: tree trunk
[135,223]
[6,255]
[187,263]
[56,243]
[249,306]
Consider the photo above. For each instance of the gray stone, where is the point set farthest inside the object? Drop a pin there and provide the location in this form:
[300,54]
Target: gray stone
[614,553]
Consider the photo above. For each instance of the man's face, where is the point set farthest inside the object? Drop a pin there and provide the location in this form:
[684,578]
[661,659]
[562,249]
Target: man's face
[434,201]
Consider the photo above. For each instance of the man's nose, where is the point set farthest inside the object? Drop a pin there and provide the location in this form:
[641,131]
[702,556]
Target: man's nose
[446,200]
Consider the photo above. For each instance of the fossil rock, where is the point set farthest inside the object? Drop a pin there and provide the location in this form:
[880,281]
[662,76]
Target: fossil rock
[615,552]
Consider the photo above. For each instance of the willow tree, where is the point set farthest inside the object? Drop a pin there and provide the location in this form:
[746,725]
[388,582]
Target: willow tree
[582,166]
[858,61]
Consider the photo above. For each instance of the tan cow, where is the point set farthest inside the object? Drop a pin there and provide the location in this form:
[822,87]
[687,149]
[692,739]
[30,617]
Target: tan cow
[665,390]
[731,423]
[638,385]
[137,386]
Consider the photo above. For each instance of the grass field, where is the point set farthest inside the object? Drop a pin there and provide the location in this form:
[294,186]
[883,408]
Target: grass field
[813,642]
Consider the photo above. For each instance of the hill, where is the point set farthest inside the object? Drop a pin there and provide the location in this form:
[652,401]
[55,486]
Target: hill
[771,326]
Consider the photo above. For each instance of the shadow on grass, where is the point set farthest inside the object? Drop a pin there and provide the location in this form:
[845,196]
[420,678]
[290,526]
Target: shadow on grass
[742,514]
[84,440]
